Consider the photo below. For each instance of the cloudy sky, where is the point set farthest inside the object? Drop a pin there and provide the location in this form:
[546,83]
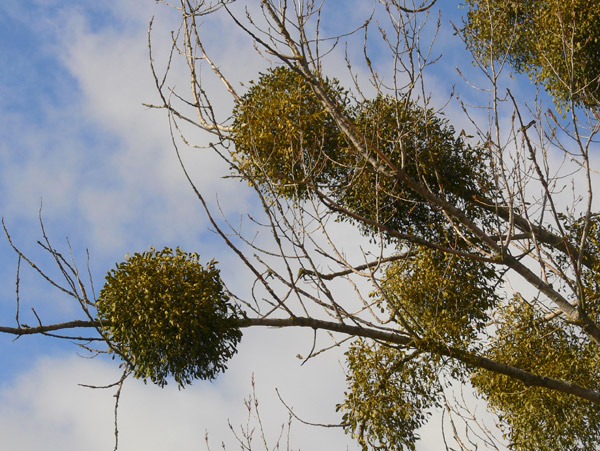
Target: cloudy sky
[77,143]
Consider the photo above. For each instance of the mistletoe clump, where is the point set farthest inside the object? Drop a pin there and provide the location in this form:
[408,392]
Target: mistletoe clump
[534,418]
[284,138]
[390,395]
[555,42]
[427,149]
[287,142]
[167,315]
[442,296]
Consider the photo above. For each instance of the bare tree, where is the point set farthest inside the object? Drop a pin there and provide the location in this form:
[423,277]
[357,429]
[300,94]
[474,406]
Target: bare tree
[474,254]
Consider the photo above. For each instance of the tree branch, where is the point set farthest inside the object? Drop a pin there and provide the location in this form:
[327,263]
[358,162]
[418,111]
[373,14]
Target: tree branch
[42,329]
[470,359]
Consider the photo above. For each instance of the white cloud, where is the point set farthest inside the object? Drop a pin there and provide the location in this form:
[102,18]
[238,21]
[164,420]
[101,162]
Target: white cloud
[45,408]
[104,159]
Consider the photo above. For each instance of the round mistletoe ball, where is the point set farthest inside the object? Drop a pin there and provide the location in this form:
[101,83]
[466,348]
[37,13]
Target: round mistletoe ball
[167,315]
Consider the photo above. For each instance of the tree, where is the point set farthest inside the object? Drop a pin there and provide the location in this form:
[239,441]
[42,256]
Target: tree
[481,271]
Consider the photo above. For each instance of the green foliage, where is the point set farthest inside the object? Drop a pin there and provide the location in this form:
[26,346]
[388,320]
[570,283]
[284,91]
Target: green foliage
[538,419]
[390,395]
[443,297]
[285,140]
[590,270]
[425,146]
[283,136]
[591,273]
[557,42]
[167,315]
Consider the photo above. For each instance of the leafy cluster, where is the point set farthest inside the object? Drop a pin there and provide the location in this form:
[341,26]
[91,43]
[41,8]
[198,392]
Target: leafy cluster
[539,419]
[283,136]
[390,395]
[425,147]
[167,315]
[445,297]
[589,271]
[556,42]
[287,142]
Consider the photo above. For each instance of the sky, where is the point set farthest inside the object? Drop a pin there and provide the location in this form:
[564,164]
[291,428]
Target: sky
[79,149]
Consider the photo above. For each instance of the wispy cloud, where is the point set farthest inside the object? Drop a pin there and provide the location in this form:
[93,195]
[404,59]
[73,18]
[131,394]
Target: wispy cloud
[106,171]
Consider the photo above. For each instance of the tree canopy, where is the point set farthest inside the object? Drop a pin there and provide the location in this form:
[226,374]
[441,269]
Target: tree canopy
[480,272]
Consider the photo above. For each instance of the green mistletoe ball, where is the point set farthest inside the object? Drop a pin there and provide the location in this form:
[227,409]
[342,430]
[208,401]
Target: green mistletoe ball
[167,315]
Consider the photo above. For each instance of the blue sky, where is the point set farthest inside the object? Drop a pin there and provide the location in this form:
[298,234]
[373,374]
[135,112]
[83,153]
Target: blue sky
[76,138]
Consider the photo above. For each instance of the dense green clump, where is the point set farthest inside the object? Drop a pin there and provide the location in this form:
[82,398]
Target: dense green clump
[589,265]
[556,42]
[590,274]
[169,316]
[425,147]
[287,142]
[284,139]
[390,395]
[444,297]
[534,418]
